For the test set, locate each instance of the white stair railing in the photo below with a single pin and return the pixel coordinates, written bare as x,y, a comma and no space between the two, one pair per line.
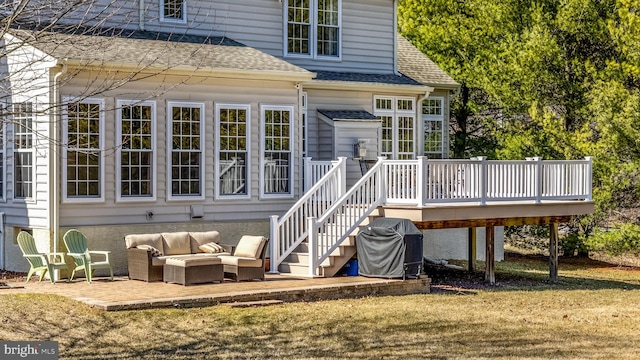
288,231
327,232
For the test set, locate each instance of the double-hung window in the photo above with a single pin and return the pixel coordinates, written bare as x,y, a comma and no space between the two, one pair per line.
433,123
136,156
3,172
397,137
83,129
173,10
277,151
313,28
186,150
23,151
232,150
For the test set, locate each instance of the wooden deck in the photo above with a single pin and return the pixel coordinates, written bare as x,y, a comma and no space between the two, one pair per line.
490,215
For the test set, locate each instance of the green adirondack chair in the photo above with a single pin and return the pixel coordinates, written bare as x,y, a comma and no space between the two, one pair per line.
76,244
39,262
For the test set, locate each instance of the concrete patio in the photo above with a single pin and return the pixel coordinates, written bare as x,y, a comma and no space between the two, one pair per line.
125,294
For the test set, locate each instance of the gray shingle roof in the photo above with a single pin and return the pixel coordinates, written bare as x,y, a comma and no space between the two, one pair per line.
144,49
367,78
413,63
348,114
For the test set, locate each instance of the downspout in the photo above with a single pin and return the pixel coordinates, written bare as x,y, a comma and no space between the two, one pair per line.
395,37
141,15
53,174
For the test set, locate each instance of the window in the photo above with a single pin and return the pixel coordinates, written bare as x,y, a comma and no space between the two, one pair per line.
173,10
136,150
313,28
433,120
23,151
3,181
277,150
232,151
82,134
397,137
186,150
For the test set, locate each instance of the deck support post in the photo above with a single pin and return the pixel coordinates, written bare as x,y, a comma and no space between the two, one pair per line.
553,252
490,265
472,248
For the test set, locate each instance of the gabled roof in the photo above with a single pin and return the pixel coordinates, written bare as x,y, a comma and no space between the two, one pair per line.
155,50
414,64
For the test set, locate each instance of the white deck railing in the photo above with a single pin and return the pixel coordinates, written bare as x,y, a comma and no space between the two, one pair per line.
327,220
327,232
288,231
422,181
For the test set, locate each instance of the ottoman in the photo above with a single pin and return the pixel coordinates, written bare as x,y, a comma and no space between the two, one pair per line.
197,270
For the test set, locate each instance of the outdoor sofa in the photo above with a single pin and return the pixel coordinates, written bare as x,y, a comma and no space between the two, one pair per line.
148,253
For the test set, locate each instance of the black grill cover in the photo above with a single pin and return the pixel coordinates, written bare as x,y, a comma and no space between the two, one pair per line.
389,248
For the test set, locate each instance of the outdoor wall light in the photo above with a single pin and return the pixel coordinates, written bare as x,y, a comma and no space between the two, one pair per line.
360,149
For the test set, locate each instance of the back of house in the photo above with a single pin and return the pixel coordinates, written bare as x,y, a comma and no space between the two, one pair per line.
147,116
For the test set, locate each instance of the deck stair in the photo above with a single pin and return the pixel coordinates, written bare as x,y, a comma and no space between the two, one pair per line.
297,263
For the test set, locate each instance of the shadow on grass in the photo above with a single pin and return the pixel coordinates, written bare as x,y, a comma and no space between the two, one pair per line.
531,272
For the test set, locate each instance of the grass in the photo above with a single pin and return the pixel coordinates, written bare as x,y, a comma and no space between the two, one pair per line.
592,313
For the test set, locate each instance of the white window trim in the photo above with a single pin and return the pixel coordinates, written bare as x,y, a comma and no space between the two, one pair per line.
305,124
172,20
313,29
170,105
3,148
119,197
65,122
426,117
395,113
289,108
216,183
32,150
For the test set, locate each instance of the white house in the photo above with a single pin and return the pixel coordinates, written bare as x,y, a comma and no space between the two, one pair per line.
163,115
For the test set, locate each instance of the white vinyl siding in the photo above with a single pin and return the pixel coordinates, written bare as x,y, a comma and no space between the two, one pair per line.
232,151
276,175
433,126
186,150
23,151
313,28
82,131
173,11
136,155
397,138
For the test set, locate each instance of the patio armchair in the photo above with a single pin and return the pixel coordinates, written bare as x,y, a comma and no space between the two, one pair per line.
39,262
248,259
76,243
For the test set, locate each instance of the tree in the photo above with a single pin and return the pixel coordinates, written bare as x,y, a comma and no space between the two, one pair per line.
560,80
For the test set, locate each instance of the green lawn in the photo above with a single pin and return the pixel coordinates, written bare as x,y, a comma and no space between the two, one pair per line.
592,313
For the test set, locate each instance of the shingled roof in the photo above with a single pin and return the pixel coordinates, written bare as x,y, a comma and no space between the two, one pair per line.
144,49
359,115
416,65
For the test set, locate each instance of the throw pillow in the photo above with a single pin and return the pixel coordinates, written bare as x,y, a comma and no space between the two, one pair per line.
212,248
154,251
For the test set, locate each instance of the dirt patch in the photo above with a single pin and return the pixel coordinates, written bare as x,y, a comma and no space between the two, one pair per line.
447,280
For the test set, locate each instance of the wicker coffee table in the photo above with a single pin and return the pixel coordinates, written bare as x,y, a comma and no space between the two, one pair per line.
188,271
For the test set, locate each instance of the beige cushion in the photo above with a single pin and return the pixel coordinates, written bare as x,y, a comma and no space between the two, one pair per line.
193,261
201,238
154,240
154,251
241,261
177,243
250,246
160,260
212,248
